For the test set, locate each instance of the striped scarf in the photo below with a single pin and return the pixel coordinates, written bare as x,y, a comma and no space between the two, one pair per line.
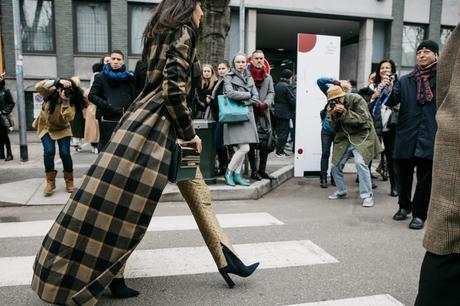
422,76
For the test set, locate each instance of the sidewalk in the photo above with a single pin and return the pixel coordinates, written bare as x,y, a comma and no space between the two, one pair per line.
28,190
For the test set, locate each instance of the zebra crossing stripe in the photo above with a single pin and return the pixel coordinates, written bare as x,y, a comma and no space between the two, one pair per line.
15,271
158,224
374,300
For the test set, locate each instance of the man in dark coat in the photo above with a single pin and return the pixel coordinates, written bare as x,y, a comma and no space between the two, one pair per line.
112,92
284,109
415,133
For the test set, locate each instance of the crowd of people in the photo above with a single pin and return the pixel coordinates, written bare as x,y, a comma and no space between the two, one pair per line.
132,121
391,118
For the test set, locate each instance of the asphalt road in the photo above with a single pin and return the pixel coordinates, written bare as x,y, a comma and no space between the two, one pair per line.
375,255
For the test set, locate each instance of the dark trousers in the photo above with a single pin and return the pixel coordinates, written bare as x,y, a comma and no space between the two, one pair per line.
419,204
326,142
388,138
49,151
106,129
4,142
439,283
282,131
263,157
221,150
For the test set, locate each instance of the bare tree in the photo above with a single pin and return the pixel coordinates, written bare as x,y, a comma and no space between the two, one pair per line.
214,31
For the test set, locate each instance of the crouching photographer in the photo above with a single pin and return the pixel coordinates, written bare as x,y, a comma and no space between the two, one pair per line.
349,117
60,100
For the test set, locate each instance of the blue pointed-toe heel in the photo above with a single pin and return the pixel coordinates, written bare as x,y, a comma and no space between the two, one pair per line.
235,266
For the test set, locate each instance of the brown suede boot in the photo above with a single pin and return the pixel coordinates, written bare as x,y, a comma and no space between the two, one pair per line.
50,183
68,177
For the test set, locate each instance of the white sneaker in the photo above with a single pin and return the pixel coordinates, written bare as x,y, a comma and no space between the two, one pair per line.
368,202
338,195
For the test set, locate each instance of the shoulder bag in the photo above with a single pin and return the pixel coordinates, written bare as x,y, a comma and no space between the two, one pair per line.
231,111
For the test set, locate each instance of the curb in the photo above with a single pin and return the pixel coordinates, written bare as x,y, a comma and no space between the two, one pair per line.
171,194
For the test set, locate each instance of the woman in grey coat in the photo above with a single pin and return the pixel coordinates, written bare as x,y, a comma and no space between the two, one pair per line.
239,86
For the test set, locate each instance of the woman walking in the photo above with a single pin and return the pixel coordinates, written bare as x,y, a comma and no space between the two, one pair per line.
106,218
61,98
6,107
240,87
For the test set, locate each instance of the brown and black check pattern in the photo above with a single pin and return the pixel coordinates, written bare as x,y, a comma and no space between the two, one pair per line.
106,218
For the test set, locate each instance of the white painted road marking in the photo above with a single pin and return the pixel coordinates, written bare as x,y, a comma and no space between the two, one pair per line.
15,271
374,300
158,224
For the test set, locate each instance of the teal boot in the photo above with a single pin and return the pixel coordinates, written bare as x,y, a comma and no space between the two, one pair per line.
239,180
229,178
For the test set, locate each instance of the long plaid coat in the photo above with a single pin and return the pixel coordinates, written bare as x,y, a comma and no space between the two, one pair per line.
106,218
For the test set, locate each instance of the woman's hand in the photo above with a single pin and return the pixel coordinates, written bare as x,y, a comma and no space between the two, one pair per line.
65,83
208,99
196,141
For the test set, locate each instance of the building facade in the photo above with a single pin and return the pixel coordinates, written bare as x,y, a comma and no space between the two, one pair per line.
66,37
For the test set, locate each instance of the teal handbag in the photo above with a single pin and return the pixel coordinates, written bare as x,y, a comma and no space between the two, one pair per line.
231,111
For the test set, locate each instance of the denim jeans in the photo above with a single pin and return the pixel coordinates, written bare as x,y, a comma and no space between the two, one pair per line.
365,185
49,150
326,143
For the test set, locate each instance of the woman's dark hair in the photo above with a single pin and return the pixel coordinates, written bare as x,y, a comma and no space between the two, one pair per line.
101,61
225,62
167,16
77,100
378,78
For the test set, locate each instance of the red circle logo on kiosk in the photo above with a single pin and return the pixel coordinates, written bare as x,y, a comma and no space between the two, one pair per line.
306,42
300,151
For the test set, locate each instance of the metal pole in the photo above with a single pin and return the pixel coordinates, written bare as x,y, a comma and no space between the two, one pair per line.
19,83
242,26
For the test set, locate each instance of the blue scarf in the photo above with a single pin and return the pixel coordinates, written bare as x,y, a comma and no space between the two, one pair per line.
119,74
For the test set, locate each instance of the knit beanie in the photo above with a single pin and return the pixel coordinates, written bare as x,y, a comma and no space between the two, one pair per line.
430,45
286,74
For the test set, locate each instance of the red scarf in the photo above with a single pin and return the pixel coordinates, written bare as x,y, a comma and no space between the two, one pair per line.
422,76
258,74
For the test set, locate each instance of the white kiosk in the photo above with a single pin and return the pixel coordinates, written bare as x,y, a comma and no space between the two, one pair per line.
317,56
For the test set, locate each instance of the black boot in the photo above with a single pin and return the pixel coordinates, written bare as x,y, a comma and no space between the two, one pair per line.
9,154
323,180
120,290
235,266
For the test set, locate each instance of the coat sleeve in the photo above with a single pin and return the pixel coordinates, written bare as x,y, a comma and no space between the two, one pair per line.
45,87
96,94
290,97
270,94
176,74
232,93
356,116
9,102
395,96
254,94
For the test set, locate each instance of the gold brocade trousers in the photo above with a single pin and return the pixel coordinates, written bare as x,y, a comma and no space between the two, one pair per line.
198,197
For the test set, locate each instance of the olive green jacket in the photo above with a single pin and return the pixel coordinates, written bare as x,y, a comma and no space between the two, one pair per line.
355,127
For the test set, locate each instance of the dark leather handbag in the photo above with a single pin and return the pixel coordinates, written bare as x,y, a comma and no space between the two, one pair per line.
7,121
184,163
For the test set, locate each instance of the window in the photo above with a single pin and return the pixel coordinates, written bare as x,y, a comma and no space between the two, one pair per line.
139,15
91,23
413,35
445,33
37,25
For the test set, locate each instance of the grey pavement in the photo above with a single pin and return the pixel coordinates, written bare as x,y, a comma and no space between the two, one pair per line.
375,254
22,183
